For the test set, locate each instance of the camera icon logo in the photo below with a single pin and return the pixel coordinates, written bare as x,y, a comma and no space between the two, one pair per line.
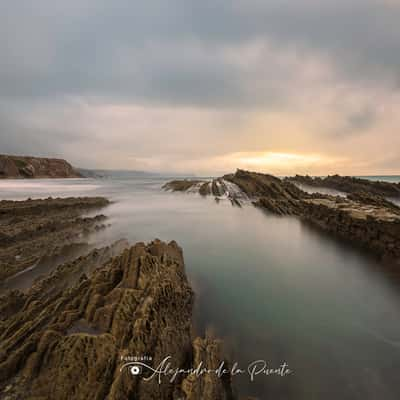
135,370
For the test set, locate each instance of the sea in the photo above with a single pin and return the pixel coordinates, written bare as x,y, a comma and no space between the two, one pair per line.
276,290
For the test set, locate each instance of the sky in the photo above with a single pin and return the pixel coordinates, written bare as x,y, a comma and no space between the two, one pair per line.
203,87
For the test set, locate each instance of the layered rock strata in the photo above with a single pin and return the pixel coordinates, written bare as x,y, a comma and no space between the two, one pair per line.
364,218
33,231
373,227
350,184
220,188
70,336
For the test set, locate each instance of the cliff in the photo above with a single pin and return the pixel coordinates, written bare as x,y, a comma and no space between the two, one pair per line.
35,167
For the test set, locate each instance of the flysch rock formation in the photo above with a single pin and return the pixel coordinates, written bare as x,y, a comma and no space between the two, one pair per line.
35,167
34,231
364,218
220,188
69,336
349,184
374,228
72,333
244,186
278,197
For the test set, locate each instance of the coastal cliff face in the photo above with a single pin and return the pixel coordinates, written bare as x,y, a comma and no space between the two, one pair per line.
35,167
364,218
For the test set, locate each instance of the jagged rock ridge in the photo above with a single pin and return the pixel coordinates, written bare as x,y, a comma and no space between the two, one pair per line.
221,188
364,218
350,184
67,341
67,334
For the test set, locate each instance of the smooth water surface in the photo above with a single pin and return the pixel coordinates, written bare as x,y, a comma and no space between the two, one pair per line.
272,287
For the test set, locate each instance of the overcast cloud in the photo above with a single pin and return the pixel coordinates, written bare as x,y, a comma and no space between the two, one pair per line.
203,86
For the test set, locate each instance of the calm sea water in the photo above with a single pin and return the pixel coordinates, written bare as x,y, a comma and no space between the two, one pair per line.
273,288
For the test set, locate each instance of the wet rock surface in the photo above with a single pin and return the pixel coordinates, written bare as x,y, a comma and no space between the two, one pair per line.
36,231
220,188
35,167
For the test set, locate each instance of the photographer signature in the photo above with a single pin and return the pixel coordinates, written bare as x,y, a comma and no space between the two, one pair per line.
165,369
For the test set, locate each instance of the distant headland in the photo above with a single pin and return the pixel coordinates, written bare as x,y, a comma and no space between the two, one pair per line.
19,167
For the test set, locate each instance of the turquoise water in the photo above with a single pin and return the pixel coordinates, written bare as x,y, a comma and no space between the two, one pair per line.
272,287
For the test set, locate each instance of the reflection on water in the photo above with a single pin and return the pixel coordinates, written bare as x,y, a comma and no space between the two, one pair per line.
273,288
24,279
36,188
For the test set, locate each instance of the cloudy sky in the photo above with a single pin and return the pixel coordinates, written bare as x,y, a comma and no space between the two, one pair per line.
282,86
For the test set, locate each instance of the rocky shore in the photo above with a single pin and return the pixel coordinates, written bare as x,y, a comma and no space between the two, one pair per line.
34,231
74,332
35,167
350,184
375,228
71,341
364,218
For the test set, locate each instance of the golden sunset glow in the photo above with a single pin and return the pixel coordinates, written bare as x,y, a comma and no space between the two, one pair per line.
276,160
280,98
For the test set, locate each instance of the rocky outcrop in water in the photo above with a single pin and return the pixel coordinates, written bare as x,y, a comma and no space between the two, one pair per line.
269,192
220,188
350,184
74,331
374,200
182,185
35,167
35,231
364,218
72,337
277,196
255,184
372,227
